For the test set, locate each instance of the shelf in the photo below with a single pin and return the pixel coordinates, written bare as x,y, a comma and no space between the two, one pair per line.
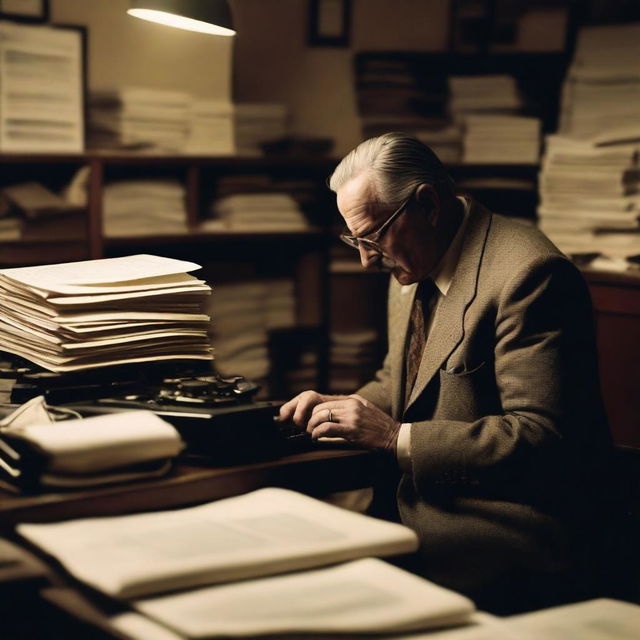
222,236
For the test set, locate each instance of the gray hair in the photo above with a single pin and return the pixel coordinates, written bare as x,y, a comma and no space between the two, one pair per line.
398,164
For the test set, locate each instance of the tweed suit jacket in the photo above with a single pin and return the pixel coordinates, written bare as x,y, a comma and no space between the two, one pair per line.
507,421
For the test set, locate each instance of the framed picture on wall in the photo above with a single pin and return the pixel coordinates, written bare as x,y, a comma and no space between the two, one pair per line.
25,10
42,88
329,23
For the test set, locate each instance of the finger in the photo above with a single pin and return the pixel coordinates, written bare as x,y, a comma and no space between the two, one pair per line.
307,400
330,405
287,409
330,430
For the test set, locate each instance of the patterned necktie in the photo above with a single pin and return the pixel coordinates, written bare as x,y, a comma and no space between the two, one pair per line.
417,334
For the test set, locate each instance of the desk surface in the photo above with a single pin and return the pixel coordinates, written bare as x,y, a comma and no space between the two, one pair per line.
313,472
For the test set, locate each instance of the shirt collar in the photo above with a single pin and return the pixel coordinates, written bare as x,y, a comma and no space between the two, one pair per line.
443,272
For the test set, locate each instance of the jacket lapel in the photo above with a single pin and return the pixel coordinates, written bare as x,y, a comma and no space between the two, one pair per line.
447,330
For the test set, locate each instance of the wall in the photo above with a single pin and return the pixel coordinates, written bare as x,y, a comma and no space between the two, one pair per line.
128,51
271,58
275,63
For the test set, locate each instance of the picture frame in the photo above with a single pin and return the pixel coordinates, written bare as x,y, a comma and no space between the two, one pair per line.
329,23
52,55
25,10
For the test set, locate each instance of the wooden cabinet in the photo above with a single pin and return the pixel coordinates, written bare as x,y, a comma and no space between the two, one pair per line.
616,302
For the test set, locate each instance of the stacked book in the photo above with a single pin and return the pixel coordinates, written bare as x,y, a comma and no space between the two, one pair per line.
396,94
602,89
501,139
139,117
482,94
486,108
243,314
258,123
211,128
81,315
353,358
260,212
271,563
141,207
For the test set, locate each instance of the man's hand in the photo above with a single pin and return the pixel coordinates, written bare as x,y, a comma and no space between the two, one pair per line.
356,420
300,408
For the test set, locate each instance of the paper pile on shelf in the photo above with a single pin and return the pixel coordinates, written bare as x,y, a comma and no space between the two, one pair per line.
590,196
602,88
81,315
257,123
211,128
41,93
353,359
590,178
501,139
260,212
139,118
243,314
482,94
144,207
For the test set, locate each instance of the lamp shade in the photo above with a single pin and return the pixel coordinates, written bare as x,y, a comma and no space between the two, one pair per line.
210,16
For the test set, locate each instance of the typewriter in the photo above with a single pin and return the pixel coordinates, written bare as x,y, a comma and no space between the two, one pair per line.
218,417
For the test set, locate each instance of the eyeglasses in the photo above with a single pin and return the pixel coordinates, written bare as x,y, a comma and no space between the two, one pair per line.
372,240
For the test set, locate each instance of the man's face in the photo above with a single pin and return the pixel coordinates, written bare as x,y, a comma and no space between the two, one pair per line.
407,248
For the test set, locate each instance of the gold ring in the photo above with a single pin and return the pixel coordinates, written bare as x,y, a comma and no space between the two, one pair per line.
329,416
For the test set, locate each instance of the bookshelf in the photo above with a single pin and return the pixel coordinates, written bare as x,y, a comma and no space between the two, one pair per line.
227,256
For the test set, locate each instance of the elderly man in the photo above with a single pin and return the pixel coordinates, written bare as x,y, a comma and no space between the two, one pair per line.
488,398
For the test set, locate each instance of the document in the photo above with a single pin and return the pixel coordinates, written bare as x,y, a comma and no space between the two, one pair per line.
261,533
94,313
599,619
362,596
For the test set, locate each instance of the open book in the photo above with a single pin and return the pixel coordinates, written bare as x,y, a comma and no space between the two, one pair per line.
362,596
261,533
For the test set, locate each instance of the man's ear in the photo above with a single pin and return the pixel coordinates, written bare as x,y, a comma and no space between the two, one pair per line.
429,200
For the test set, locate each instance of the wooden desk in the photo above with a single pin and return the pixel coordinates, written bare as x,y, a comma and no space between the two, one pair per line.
314,472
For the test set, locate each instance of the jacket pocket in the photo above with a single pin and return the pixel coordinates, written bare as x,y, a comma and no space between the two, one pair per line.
467,394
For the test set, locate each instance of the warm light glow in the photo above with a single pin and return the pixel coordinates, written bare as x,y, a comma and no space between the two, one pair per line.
172,20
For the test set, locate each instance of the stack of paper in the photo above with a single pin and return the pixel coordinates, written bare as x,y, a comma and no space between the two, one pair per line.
81,315
501,139
602,88
149,118
260,212
590,178
264,533
256,123
482,94
211,129
353,358
143,207
243,314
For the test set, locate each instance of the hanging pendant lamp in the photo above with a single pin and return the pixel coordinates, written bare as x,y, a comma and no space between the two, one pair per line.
204,16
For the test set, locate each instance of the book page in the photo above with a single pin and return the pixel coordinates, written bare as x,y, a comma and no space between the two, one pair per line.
260,533
600,619
363,596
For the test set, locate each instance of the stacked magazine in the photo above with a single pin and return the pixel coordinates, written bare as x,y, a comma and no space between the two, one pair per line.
234,568
81,315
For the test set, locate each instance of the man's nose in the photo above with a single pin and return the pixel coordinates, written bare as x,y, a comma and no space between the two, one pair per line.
368,256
